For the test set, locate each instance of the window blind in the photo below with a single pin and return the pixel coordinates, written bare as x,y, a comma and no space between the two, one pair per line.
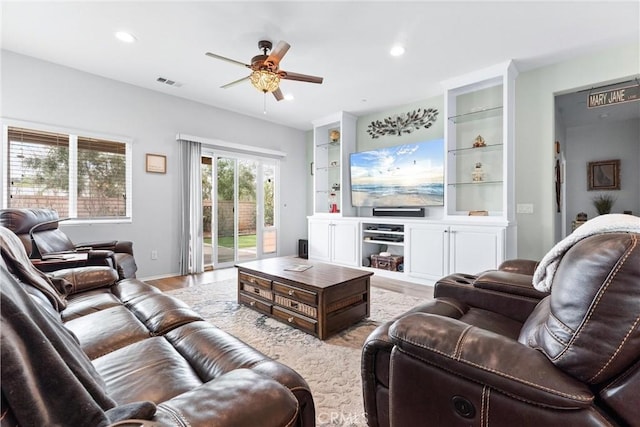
38,170
78,176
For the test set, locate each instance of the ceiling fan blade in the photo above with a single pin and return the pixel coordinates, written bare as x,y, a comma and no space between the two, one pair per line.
233,61
235,82
276,54
278,94
287,75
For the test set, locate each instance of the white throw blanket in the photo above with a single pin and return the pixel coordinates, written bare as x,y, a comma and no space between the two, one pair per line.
611,223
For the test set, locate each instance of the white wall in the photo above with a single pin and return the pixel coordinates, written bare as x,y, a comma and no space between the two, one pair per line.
535,92
603,141
46,93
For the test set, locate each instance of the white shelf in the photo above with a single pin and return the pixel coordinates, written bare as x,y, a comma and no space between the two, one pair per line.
480,104
331,164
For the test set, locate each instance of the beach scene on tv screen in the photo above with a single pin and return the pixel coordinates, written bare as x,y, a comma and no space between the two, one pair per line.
410,175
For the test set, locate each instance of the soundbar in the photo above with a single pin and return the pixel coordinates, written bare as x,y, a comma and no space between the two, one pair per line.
398,212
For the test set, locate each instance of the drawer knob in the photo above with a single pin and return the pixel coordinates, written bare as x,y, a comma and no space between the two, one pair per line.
291,292
252,280
290,319
252,303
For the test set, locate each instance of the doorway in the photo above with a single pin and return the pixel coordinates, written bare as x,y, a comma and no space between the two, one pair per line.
585,135
239,208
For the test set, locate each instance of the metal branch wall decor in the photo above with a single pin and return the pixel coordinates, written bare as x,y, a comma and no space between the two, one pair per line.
403,123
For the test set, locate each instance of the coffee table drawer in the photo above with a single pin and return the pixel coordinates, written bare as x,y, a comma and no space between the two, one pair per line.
255,280
297,294
255,303
304,323
255,290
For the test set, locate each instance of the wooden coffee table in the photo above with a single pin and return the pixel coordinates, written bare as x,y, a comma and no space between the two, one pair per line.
321,300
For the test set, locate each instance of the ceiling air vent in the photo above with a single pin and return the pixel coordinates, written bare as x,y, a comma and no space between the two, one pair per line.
168,82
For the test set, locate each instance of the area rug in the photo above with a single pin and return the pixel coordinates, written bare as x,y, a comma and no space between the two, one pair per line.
330,367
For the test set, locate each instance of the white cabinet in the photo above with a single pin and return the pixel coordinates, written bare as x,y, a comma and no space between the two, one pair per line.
473,249
427,254
334,241
334,139
479,135
436,250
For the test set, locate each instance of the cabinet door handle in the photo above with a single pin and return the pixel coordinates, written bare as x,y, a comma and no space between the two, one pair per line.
291,292
290,319
252,303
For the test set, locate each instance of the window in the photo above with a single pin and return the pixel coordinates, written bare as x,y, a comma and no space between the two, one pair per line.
79,176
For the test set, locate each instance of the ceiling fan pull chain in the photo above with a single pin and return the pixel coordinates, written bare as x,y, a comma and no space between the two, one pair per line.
264,108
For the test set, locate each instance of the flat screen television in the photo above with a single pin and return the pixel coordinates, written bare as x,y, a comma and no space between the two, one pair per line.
410,175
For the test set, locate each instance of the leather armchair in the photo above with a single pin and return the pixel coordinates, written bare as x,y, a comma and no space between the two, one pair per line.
470,359
38,230
506,289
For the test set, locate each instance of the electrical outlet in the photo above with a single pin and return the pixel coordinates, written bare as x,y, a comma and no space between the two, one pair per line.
154,254
524,208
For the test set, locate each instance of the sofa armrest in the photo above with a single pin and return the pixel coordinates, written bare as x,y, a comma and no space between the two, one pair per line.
74,280
238,398
509,294
102,244
488,358
519,265
508,282
112,245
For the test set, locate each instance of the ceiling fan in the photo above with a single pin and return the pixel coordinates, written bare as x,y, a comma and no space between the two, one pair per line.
266,73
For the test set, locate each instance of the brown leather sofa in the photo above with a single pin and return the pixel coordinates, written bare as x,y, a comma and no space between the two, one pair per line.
82,348
38,230
491,350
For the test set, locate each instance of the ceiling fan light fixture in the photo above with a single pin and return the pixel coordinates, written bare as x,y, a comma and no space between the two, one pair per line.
125,37
265,81
397,50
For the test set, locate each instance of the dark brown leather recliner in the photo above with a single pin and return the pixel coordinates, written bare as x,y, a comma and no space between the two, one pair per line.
38,230
507,290
572,360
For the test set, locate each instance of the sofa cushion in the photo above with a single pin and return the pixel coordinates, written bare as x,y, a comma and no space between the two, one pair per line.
161,313
211,351
224,402
150,369
88,302
107,330
129,289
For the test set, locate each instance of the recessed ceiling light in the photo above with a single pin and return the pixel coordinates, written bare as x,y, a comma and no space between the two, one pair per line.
123,36
289,97
397,50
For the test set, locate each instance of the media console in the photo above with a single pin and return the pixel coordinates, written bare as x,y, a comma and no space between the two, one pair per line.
419,250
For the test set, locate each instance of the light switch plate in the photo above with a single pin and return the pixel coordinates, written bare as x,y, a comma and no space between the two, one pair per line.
524,208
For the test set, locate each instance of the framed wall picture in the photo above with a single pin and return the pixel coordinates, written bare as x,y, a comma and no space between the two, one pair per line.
603,175
156,163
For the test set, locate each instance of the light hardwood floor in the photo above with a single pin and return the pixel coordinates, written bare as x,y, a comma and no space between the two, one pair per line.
177,282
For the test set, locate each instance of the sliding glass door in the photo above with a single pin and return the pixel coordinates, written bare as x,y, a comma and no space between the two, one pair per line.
239,215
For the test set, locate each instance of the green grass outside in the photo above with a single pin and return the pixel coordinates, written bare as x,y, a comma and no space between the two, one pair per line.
247,241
